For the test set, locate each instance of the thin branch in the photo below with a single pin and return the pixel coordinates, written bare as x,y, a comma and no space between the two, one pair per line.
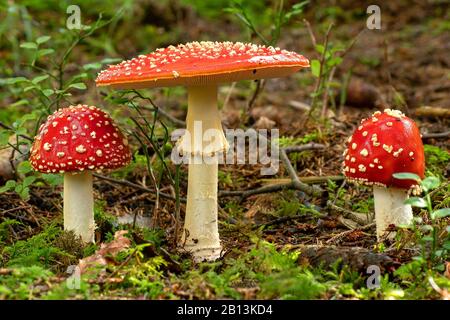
5,126
436,135
294,184
295,180
347,232
326,93
307,179
305,147
243,194
227,98
286,219
352,43
136,186
160,110
259,87
167,115
322,67
311,33
356,217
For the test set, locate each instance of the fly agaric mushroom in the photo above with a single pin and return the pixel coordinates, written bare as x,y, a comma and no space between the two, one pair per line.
385,144
75,141
201,66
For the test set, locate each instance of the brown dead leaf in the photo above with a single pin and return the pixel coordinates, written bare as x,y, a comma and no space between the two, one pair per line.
355,235
264,123
252,211
248,293
447,269
106,251
269,111
330,224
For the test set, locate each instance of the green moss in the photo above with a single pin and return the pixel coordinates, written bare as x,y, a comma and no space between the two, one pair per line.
436,160
38,250
23,283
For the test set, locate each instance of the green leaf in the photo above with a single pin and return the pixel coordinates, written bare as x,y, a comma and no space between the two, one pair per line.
416,202
430,183
29,45
406,176
441,213
53,179
42,39
4,137
28,181
48,92
295,10
427,239
320,48
315,67
19,103
44,52
39,79
26,117
79,76
30,88
90,66
24,193
110,60
24,167
9,185
79,85
334,61
21,131
15,80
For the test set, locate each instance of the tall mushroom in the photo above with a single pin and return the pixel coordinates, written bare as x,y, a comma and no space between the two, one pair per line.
385,144
75,141
201,67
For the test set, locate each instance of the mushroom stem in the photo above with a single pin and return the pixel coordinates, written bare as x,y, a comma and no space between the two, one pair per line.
79,205
390,209
203,140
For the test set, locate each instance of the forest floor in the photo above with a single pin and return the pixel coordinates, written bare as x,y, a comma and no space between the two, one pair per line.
284,244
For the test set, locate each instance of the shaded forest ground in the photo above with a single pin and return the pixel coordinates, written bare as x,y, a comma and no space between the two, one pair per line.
283,244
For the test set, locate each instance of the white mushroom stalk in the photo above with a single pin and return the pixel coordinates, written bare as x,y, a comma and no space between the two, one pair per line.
390,209
203,140
79,205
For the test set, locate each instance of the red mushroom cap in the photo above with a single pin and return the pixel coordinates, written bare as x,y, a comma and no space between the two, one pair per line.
79,138
202,63
384,144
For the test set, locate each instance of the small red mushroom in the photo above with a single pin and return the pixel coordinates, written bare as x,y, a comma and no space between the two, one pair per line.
75,141
386,143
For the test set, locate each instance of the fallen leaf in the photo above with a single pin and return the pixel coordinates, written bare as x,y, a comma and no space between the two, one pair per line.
264,123
355,235
106,251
